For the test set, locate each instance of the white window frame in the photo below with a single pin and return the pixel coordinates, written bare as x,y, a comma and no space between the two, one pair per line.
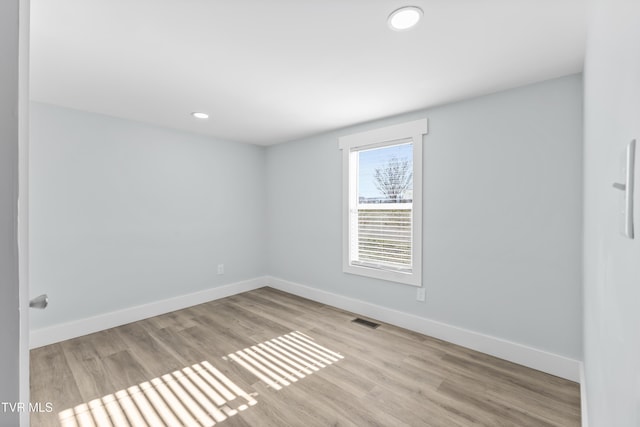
381,137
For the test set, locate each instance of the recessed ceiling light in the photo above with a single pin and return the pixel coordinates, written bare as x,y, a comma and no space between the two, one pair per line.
200,115
404,18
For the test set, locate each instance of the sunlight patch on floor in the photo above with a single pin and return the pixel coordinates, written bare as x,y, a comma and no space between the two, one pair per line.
198,395
285,359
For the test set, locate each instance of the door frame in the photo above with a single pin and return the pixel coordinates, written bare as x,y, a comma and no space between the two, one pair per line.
23,204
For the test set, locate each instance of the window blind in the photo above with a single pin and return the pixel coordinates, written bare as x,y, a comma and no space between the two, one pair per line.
384,236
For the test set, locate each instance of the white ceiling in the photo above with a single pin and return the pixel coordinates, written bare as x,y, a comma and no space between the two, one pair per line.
277,70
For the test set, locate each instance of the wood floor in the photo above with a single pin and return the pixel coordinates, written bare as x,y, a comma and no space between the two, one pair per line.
274,359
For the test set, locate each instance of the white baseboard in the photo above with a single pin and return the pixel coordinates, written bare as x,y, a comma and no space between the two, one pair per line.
534,358
583,397
541,360
89,325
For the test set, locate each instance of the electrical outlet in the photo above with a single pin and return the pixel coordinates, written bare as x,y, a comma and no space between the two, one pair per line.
421,294
220,268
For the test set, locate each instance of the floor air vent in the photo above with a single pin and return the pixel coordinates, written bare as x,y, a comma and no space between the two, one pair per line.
366,323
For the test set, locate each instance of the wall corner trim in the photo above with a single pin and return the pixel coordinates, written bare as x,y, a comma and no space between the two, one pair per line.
583,397
77,328
541,360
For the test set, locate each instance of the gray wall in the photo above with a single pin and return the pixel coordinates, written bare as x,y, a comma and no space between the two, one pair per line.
124,214
502,216
9,290
611,262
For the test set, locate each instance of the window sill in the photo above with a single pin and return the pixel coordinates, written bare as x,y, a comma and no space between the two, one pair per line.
392,276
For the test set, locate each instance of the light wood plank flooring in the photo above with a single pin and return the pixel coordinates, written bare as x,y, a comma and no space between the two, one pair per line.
306,364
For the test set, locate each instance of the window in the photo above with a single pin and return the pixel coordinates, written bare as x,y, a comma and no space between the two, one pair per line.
382,193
